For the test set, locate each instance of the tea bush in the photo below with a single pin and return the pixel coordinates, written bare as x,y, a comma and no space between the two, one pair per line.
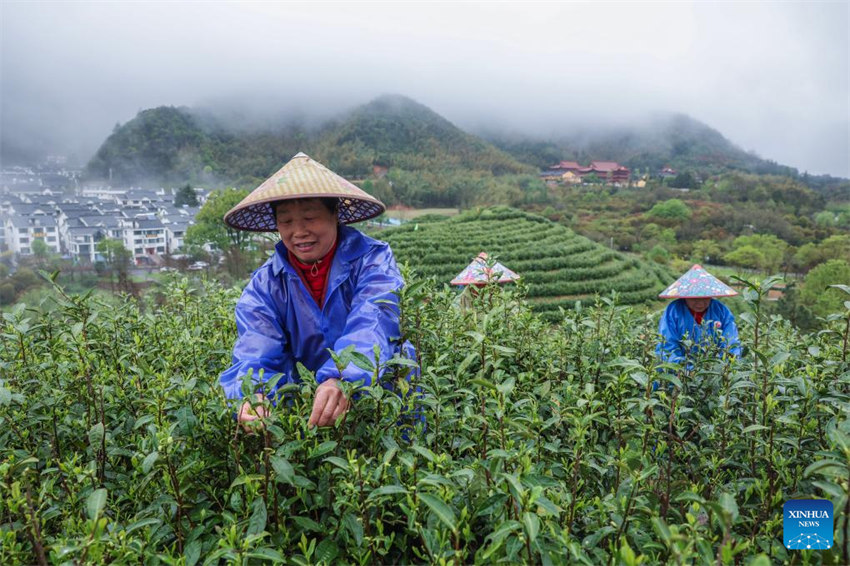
558,265
543,444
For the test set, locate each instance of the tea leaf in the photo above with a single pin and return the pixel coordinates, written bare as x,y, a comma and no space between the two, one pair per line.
142,524
353,525
283,469
440,509
149,461
338,462
95,503
728,504
266,553
327,551
426,453
257,521
96,436
531,522
830,468
503,531
192,552
387,490
323,448
307,524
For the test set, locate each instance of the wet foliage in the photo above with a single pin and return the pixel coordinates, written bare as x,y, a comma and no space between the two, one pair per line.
543,443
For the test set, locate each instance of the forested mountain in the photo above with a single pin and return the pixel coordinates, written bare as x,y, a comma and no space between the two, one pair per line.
394,131
403,152
170,144
174,145
674,140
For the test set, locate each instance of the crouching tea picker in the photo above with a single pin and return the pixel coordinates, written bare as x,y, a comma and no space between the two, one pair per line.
696,317
326,286
480,272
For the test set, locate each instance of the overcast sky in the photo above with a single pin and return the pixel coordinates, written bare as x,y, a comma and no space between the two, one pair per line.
771,76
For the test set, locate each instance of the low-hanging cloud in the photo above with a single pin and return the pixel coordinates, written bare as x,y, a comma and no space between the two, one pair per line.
772,77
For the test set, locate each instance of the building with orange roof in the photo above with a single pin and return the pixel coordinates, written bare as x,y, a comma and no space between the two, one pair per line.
609,172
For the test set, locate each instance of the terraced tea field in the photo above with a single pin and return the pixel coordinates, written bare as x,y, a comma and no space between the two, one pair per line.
558,265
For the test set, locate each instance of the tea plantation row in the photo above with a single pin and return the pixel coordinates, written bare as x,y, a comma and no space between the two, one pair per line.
558,265
543,444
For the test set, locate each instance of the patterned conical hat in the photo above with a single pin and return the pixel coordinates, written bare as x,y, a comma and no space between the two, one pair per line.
301,177
697,283
477,273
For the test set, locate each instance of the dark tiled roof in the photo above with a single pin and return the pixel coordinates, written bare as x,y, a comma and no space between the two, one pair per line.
100,220
18,221
83,230
148,224
27,209
31,221
178,226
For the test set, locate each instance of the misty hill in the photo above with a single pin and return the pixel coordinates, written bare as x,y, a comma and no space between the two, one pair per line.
169,145
174,145
403,152
395,131
665,139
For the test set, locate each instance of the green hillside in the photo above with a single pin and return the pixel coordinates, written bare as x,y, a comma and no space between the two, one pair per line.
558,265
429,162
173,145
422,159
395,131
150,145
666,139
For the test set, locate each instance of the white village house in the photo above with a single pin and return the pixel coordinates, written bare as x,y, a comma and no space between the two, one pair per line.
144,220
22,231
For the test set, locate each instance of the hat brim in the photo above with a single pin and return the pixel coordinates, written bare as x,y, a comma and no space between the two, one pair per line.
734,293
697,283
301,178
259,216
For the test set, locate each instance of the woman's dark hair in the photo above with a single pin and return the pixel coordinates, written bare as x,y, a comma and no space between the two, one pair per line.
331,203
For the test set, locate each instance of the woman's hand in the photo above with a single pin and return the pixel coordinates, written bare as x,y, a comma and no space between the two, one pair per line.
248,414
328,404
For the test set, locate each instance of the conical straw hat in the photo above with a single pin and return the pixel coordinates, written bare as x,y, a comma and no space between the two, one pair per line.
697,283
477,273
301,177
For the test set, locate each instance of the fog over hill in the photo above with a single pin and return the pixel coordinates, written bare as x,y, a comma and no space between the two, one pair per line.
772,77
171,145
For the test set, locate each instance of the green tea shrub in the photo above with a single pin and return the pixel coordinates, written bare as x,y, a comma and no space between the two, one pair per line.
543,443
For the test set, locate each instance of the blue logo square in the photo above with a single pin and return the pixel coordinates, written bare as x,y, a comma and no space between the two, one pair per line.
807,524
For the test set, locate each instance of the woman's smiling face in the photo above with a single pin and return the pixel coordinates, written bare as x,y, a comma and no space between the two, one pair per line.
306,227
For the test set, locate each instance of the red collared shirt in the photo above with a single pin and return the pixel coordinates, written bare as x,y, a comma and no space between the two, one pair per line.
314,275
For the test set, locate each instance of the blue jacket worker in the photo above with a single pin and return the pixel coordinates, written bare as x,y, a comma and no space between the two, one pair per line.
327,286
696,316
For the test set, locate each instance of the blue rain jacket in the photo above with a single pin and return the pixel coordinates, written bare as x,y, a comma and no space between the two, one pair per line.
280,324
677,324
